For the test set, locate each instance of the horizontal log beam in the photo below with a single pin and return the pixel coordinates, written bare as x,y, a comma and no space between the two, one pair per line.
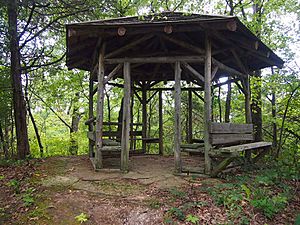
161,59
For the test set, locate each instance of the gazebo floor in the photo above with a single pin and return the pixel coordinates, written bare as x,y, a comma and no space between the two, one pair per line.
156,165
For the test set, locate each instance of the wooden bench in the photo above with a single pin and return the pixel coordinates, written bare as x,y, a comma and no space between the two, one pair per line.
113,133
228,141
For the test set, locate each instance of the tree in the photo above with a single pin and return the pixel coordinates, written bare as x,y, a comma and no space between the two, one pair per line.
15,68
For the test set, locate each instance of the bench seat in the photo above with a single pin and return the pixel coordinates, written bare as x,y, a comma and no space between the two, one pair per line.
244,147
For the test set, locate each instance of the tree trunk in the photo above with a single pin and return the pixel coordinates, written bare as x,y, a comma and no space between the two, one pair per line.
280,143
3,142
228,104
256,107
6,139
120,118
73,148
274,120
256,88
36,130
274,115
18,98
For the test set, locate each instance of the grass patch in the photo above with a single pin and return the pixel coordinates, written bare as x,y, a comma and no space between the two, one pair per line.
266,192
154,203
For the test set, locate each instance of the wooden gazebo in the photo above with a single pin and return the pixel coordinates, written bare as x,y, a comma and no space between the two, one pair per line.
169,46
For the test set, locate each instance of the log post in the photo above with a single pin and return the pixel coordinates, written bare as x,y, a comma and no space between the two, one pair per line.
207,102
190,115
144,117
91,115
131,117
100,104
126,119
177,136
161,132
248,116
247,101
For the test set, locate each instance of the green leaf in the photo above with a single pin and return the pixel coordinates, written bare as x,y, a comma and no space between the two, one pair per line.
82,217
191,218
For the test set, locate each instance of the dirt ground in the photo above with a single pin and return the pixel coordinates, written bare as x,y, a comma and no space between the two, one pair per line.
59,189
72,187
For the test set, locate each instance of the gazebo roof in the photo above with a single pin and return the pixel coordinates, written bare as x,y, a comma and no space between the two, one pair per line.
233,44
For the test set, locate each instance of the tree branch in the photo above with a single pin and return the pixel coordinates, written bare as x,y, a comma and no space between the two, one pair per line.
55,113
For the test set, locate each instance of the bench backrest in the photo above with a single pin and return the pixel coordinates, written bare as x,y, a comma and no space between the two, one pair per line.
230,133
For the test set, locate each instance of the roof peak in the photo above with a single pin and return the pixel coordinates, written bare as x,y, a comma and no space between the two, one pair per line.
165,16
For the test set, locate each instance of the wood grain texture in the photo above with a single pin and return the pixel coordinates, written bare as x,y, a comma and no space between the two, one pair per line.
100,104
207,103
250,146
125,142
177,134
230,128
219,139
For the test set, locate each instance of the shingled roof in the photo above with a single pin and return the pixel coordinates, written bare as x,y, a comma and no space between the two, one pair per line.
227,32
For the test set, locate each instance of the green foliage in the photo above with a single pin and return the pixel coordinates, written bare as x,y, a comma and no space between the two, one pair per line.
177,213
192,219
28,198
2,177
154,204
266,192
247,191
82,217
297,220
269,205
177,193
15,184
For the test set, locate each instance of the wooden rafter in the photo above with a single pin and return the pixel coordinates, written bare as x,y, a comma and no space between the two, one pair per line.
239,61
197,94
113,73
129,46
193,71
201,51
214,72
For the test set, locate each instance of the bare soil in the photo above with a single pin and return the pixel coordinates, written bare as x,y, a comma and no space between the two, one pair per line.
65,187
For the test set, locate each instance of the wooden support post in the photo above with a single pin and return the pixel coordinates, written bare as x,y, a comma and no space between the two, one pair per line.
247,101
126,119
161,131
207,102
190,115
247,110
144,117
91,115
221,166
100,104
131,118
177,136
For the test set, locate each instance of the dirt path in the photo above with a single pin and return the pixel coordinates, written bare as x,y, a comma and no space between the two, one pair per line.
67,191
71,187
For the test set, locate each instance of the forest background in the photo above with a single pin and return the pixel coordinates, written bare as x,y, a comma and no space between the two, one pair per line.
38,92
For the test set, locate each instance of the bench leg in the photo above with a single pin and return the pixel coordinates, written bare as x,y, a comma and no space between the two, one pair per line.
221,166
261,154
248,156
